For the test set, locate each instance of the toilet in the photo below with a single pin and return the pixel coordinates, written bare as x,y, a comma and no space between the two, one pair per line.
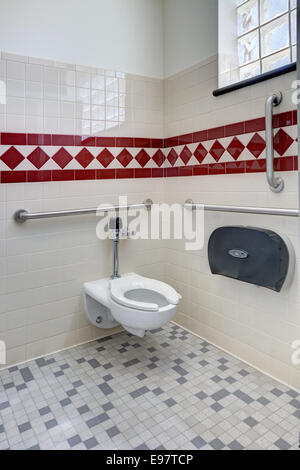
135,302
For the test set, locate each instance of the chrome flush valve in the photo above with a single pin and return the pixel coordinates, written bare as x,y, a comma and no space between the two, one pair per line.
115,227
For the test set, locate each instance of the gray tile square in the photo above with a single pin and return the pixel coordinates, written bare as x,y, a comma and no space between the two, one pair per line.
170,402
83,409
44,411
90,443
51,424
198,442
105,388
112,432
235,445
251,422
282,444
74,441
217,444
25,427
97,420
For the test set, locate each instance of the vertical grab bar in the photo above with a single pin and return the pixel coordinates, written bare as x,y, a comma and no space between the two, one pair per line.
276,183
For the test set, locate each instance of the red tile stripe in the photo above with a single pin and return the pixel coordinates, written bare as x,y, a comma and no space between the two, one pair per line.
250,166
175,156
11,138
288,118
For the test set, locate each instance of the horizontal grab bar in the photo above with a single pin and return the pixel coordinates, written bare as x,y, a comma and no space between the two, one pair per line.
22,215
189,204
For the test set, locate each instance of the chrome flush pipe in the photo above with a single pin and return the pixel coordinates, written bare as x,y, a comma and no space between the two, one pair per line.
115,226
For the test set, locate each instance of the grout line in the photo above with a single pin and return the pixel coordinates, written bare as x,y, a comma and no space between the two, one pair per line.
61,350
239,358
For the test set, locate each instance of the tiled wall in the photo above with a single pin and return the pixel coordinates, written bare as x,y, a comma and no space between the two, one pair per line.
43,264
62,122
255,324
234,148
190,106
57,98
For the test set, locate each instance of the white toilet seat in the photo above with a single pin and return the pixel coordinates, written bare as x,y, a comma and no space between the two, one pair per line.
133,282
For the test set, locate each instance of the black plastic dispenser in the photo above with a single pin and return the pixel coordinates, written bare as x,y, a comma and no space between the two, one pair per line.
253,255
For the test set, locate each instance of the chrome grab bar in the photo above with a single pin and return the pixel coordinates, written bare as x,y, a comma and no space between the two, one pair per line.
22,215
189,204
276,183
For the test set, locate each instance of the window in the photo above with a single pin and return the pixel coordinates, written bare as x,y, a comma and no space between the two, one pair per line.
255,37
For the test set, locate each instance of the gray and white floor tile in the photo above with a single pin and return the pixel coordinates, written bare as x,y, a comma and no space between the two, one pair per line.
170,390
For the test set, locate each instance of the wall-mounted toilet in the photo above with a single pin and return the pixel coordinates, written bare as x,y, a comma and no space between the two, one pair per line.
135,302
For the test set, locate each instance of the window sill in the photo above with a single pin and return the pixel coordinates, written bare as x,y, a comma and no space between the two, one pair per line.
253,81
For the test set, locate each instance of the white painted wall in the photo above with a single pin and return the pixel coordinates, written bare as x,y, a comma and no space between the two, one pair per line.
124,35
190,33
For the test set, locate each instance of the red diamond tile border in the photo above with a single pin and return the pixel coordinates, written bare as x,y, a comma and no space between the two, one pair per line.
217,150
172,157
282,142
186,155
256,145
84,158
38,158
155,158
12,158
105,158
62,158
142,158
200,153
159,158
235,148
125,158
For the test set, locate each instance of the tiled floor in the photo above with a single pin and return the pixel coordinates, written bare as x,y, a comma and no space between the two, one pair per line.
170,390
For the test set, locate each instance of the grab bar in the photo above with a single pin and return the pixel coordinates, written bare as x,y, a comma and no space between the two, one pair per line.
22,215
189,204
276,183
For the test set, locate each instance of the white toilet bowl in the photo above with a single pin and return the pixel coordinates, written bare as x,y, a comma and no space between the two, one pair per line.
135,302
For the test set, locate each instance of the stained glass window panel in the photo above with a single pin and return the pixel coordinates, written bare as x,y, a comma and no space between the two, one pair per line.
277,60
272,8
248,48
249,71
275,35
247,17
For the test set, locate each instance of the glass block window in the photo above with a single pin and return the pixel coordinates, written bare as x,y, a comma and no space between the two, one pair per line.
255,37
266,33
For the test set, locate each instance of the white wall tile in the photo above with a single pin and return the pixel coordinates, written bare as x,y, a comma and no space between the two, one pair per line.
33,90
120,94
47,264
15,70
34,107
15,87
34,73
15,106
